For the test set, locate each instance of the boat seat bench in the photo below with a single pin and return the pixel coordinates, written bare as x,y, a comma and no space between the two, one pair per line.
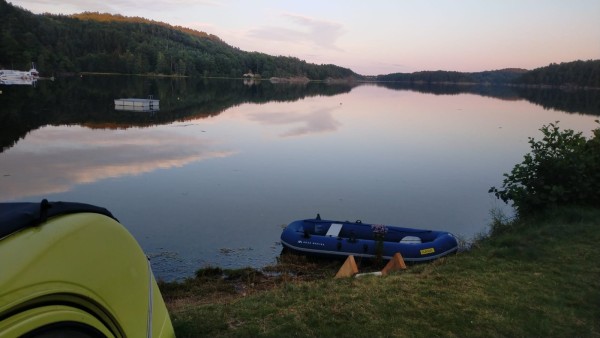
334,230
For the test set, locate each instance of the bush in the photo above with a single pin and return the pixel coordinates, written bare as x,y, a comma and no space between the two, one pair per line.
562,169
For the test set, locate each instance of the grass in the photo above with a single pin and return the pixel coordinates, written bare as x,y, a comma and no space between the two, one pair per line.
535,277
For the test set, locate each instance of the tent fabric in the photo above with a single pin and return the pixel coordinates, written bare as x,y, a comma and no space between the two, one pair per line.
16,216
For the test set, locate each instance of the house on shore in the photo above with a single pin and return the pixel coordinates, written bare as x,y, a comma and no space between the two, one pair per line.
251,75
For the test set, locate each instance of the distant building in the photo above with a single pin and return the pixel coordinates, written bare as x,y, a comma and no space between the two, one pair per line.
251,75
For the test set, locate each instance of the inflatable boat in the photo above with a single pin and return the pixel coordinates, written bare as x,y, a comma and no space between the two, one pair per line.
328,238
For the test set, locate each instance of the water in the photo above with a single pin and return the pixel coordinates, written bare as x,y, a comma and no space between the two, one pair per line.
212,177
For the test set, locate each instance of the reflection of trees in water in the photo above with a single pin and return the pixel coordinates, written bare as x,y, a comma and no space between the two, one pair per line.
571,101
499,92
89,101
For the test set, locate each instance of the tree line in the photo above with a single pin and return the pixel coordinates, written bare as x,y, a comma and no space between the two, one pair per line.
568,74
493,77
95,42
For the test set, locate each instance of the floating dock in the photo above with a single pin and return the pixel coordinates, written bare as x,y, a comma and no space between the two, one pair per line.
132,104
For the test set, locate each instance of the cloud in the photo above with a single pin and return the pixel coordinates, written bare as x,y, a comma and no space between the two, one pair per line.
311,31
318,121
55,159
323,33
110,6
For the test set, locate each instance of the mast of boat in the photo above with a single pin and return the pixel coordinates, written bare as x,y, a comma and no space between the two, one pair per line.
33,72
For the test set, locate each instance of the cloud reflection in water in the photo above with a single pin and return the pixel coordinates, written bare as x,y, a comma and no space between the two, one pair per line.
55,159
315,121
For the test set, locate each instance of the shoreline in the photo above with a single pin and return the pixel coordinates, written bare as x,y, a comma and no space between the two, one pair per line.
365,79
523,279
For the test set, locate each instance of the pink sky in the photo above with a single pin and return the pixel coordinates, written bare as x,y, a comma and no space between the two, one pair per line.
381,36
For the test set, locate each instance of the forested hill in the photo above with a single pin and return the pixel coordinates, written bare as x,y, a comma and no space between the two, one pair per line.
93,42
580,74
105,43
502,76
568,74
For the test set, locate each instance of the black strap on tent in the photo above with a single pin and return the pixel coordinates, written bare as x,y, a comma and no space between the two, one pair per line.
21,215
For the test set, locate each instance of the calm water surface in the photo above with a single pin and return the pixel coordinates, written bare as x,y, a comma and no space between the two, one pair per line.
211,181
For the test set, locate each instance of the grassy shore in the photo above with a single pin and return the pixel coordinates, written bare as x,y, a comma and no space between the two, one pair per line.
537,277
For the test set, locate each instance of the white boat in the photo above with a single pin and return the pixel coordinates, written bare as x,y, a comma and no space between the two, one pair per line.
7,76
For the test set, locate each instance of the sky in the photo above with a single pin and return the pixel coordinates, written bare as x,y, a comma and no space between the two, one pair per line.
380,36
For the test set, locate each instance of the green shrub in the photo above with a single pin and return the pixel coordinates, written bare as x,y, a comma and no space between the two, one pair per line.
561,169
